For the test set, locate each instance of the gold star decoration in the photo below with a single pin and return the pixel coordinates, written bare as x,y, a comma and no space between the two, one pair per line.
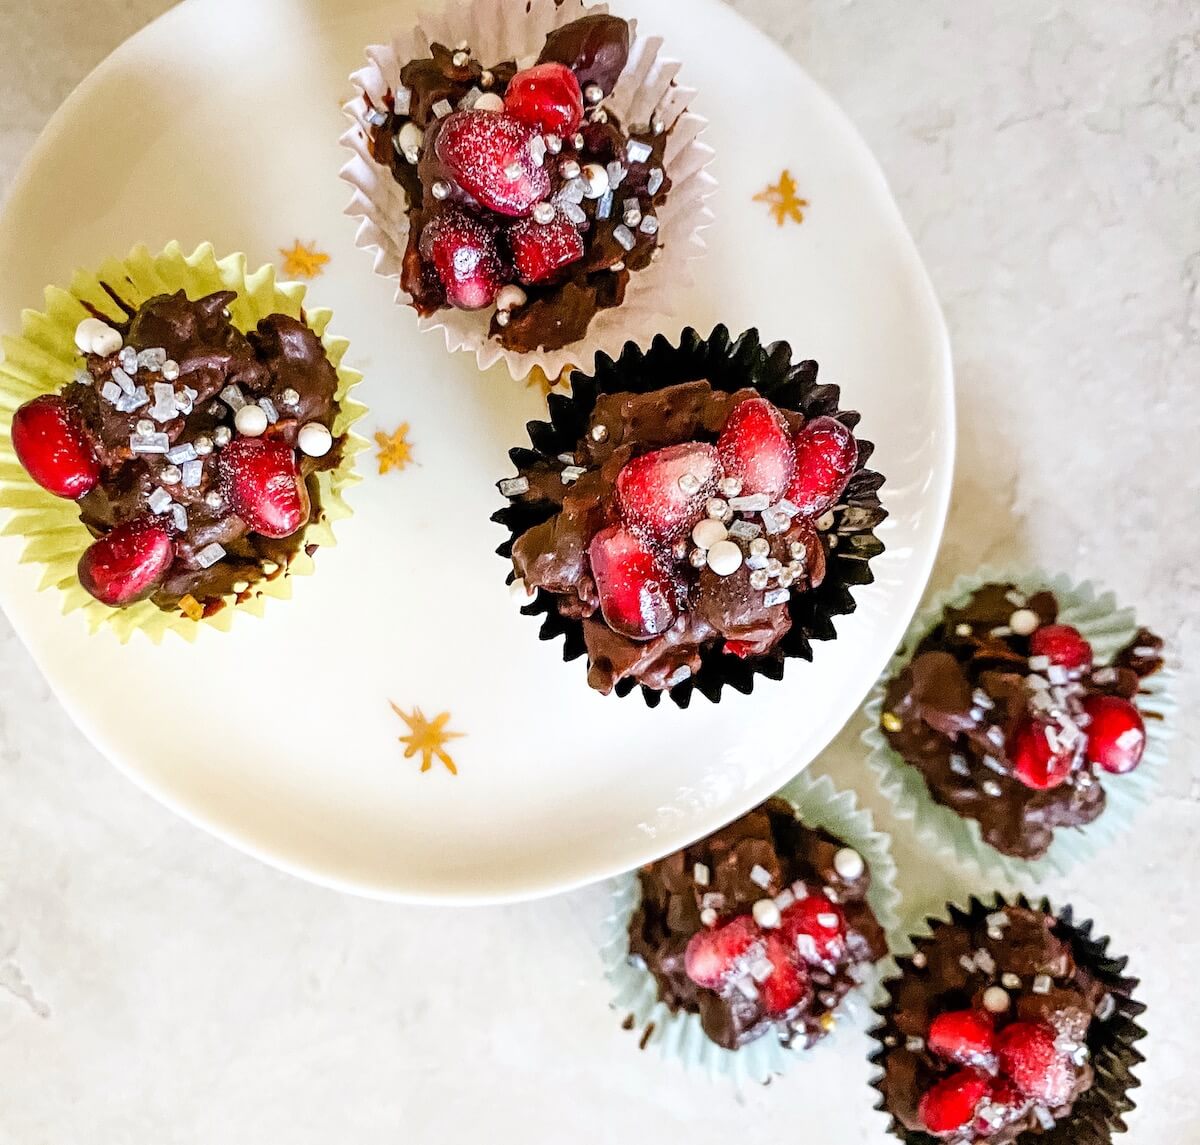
781,197
395,451
538,378
427,738
303,260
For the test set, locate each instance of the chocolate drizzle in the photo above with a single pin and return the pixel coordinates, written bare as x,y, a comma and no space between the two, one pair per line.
773,840
725,368
938,727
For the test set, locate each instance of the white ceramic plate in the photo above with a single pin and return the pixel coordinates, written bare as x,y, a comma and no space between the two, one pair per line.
220,122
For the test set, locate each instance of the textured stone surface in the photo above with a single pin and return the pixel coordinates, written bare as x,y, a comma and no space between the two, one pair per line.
157,986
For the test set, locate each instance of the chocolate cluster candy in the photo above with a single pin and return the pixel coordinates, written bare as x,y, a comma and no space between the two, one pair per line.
1001,1024
190,447
762,927
685,520
524,191
1012,722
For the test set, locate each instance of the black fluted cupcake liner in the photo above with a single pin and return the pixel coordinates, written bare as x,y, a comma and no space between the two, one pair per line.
728,365
1098,1114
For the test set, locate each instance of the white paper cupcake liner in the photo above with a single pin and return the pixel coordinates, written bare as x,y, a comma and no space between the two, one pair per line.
503,29
679,1035
1108,629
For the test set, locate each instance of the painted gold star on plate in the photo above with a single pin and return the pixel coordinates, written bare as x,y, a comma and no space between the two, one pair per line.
539,379
395,450
303,260
781,197
427,738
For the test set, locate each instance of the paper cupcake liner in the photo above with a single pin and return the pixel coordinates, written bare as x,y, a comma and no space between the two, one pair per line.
678,1034
1108,629
501,30
728,365
1098,1114
44,358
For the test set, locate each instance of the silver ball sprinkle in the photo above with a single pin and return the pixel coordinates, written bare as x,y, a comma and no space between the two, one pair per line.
222,435
569,169
170,475
487,79
716,508
544,213
593,93
600,434
759,579
203,446
461,59
699,558
214,500
289,397
145,426
440,190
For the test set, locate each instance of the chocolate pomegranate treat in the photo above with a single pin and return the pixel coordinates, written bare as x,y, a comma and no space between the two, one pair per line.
190,447
763,927
1013,722
1008,1023
693,516
524,191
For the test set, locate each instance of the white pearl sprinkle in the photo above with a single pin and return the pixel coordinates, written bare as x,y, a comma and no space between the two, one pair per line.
314,439
1024,622
996,1000
725,558
95,337
410,140
511,298
596,181
766,914
489,101
708,533
849,864
250,421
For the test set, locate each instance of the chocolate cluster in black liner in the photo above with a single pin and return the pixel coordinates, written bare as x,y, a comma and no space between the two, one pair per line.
844,540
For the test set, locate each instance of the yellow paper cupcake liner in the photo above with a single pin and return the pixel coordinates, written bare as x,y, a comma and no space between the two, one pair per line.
44,359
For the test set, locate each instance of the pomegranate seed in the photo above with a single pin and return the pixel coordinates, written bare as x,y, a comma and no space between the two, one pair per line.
713,955
637,593
952,1102
463,252
546,97
489,155
541,251
1033,761
127,564
788,985
50,443
263,486
826,457
816,927
1029,1058
663,493
1116,734
1008,1105
756,446
964,1037
1064,645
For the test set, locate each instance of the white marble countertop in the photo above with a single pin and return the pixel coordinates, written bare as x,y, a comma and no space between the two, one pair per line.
156,986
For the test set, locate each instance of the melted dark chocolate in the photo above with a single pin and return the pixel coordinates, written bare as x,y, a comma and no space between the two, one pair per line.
933,700
281,354
772,838
558,313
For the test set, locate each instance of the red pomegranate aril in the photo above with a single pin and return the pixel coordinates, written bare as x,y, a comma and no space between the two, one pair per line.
263,485
713,955
50,443
756,446
637,592
1029,1058
965,1037
787,986
816,928
1062,645
1005,1105
546,97
1116,733
826,457
126,564
463,252
1034,762
542,251
490,156
952,1102
663,493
